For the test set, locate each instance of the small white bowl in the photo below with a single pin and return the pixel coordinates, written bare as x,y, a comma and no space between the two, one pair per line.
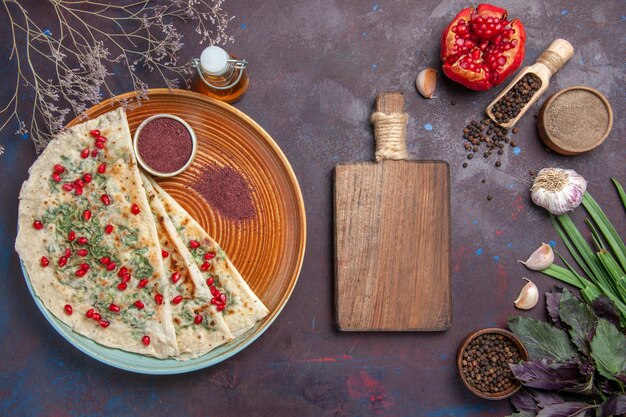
146,167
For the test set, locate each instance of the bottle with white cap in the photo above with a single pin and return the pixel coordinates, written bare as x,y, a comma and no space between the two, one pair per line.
220,75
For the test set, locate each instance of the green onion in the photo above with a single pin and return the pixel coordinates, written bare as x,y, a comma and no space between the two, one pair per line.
620,191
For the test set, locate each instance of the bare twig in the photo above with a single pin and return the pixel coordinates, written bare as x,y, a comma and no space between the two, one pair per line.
70,68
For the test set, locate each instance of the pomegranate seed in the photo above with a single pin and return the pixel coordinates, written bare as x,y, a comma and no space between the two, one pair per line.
145,340
122,286
209,255
194,244
85,153
79,191
134,208
79,183
108,229
105,260
143,282
44,261
87,178
205,266
104,323
56,177
123,270
102,168
82,240
71,236
105,199
159,299
96,316
94,132
99,145
175,277
214,291
114,308
198,319
86,215
82,252
215,301
38,225
68,309
125,278
111,266
164,253
80,273
84,266
89,313
62,261
139,304
94,153
210,281
221,307
68,252
68,186
101,138
177,299
58,169
222,298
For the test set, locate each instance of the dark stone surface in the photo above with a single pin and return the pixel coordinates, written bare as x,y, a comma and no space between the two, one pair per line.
315,70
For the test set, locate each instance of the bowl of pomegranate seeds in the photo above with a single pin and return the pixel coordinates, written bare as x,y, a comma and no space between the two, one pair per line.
164,145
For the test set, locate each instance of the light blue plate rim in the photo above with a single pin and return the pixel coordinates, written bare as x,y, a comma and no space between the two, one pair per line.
134,362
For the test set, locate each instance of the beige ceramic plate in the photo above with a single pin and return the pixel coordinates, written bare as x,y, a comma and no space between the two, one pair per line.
267,249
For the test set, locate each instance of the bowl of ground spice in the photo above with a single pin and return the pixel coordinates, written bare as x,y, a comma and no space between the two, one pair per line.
575,120
483,361
164,145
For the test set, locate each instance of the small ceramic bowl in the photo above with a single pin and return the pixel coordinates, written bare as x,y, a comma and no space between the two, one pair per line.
568,145
145,166
459,358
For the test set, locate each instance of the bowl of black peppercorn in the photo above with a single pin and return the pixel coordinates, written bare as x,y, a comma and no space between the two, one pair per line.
483,361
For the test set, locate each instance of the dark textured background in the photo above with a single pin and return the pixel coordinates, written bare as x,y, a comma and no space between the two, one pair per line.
315,68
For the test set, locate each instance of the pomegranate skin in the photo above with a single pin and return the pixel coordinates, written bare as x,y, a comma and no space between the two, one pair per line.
453,55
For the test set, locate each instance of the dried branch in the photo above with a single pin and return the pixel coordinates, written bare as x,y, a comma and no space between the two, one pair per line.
72,66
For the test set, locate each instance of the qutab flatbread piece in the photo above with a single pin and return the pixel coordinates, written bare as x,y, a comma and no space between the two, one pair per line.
200,328
242,309
89,243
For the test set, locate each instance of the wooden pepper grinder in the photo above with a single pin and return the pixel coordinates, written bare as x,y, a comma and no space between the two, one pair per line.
220,75
549,62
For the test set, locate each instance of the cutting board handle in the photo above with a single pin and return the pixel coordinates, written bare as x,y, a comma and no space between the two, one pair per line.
390,122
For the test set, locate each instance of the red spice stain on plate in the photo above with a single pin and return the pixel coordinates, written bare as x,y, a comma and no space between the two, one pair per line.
499,232
225,189
460,254
364,386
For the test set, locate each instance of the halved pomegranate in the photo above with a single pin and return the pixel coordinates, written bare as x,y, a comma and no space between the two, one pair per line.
480,48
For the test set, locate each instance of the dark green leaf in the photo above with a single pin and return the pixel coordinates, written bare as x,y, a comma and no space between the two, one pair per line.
608,349
542,340
620,191
581,320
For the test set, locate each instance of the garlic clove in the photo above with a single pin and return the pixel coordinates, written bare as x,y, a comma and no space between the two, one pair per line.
528,296
540,259
426,82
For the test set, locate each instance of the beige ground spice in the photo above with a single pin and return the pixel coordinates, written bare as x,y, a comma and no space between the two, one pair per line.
577,118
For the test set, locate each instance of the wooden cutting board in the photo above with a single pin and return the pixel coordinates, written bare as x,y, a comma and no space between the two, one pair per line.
392,238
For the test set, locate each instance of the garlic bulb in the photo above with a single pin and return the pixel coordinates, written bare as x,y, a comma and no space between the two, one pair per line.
540,259
528,296
558,190
426,82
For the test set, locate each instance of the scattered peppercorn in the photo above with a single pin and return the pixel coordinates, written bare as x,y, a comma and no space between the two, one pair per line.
453,103
483,180
485,363
498,163
464,164
515,130
532,172
489,197
510,105
484,134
